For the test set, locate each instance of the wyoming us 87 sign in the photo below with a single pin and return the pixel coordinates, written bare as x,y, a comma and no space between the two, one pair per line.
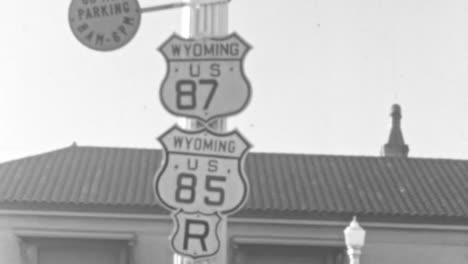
205,77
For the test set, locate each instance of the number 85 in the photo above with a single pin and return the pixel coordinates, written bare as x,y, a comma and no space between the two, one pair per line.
189,185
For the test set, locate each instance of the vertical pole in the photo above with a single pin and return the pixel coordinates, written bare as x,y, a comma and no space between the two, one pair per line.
354,255
207,21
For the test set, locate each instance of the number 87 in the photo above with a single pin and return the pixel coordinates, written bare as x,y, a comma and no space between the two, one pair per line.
186,90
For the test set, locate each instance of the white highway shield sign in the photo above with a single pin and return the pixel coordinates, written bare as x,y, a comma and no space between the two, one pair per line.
205,77
104,25
195,234
202,171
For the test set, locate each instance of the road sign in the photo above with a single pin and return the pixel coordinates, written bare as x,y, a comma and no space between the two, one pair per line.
202,171
196,234
205,77
104,25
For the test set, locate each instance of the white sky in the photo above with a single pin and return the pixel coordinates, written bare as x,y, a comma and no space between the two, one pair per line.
324,74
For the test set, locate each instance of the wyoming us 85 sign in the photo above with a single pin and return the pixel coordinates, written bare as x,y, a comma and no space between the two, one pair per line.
202,171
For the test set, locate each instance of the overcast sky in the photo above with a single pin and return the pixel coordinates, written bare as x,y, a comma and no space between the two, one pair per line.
324,75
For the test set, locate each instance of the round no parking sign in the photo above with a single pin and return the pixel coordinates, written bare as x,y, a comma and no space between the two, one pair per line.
104,25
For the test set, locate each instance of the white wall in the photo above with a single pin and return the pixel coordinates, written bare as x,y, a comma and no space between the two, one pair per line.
383,244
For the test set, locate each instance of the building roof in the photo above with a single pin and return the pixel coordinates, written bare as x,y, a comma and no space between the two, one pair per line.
282,185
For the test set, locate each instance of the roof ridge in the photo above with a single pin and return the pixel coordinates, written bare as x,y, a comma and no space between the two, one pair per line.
115,147
75,146
35,155
356,156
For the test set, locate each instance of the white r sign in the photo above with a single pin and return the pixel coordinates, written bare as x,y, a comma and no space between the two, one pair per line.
196,234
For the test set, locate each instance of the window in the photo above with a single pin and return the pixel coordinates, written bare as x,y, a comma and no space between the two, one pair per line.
280,250
291,254
50,249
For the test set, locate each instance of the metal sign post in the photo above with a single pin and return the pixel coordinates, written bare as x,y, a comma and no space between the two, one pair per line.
201,180
199,22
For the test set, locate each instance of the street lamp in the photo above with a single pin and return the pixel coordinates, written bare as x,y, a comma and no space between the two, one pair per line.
354,239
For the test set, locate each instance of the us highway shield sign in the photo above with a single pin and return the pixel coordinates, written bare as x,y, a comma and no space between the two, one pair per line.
202,171
196,234
205,77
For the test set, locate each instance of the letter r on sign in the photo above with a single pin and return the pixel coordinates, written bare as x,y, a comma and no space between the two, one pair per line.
196,234
196,230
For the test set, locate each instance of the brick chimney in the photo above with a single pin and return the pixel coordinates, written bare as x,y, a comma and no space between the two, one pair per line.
395,146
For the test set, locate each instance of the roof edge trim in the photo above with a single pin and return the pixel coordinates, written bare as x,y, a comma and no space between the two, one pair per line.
365,224
41,233
386,225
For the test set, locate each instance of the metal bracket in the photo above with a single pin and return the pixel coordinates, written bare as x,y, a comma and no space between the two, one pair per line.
195,4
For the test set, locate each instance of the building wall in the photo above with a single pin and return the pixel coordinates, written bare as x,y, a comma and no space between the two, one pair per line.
424,246
151,235
384,243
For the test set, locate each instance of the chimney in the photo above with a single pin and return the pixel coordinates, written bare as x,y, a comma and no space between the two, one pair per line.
395,146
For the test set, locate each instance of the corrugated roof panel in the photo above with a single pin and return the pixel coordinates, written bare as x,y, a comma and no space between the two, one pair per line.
447,202
403,186
111,190
273,181
154,163
10,182
124,176
54,178
349,187
259,183
22,177
60,187
411,187
288,185
426,180
320,189
129,192
457,186
108,166
85,177
77,176
392,185
371,192
299,185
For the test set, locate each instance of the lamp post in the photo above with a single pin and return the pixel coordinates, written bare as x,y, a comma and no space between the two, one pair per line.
354,238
